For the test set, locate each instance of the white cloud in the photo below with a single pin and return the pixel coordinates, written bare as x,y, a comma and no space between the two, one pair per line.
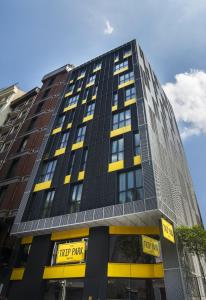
108,29
188,98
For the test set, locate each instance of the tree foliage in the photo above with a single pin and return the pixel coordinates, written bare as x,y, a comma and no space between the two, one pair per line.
193,239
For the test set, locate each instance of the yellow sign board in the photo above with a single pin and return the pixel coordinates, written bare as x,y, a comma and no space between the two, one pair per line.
168,231
150,246
70,252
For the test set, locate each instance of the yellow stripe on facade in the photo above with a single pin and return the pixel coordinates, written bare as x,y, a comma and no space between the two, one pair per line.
77,145
69,234
117,165
42,186
137,160
97,69
56,130
90,84
69,107
87,118
65,271
130,102
67,179
135,270
68,94
94,97
114,107
120,86
120,70
81,175
27,240
17,274
59,151
130,230
69,125
121,130
84,101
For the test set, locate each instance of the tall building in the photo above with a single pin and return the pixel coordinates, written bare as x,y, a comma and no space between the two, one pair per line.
21,136
109,183
7,96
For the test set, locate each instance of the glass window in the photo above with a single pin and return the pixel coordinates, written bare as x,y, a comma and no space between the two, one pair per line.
91,78
130,186
81,134
82,73
48,169
23,145
95,89
70,115
136,144
60,121
126,77
13,168
115,99
75,197
70,88
46,93
130,93
116,57
98,65
47,205
80,84
71,101
127,52
84,160
3,190
121,119
64,140
117,150
32,124
90,109
121,65
86,94
71,162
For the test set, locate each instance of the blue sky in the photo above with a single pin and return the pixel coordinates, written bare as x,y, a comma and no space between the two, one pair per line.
39,36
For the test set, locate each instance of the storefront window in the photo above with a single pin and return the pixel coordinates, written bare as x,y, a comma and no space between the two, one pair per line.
64,289
23,255
128,249
135,289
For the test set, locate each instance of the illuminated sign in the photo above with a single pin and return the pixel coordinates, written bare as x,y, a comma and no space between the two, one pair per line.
150,246
168,231
70,252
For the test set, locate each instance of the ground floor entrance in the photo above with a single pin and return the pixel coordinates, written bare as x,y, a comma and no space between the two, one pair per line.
117,289
64,290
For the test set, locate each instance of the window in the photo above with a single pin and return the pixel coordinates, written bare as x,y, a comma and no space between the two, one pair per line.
84,160
71,101
60,121
46,93
91,78
98,66
86,94
71,116
121,65
116,57
12,169
47,205
70,88
95,89
90,109
126,77
130,186
82,73
64,140
130,93
117,150
2,193
71,162
39,107
127,52
121,119
23,145
136,144
48,169
31,124
51,81
80,83
81,134
75,198
115,99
